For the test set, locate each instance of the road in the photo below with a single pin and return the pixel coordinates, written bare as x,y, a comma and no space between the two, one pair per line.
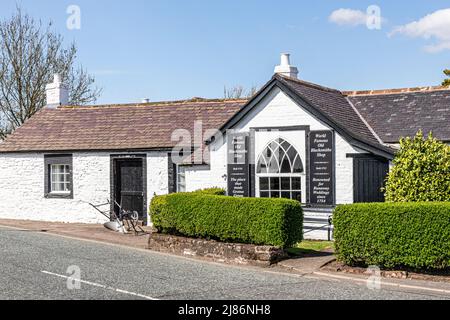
34,266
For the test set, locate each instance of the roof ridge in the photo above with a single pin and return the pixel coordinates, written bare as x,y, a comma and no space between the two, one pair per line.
156,103
307,83
364,120
395,91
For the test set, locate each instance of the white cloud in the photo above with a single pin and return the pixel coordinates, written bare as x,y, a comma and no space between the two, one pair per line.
434,26
348,17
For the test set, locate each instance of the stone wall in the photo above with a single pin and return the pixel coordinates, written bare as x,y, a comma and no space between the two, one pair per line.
22,181
234,253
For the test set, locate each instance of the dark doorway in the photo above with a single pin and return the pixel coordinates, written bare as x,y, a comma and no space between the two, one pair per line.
369,174
129,185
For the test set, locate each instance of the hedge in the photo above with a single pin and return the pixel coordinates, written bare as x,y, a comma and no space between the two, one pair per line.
275,222
212,191
391,235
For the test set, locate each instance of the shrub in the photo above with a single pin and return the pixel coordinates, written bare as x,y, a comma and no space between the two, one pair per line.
276,222
421,171
212,191
413,235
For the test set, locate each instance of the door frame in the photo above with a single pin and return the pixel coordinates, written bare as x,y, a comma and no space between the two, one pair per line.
357,179
113,179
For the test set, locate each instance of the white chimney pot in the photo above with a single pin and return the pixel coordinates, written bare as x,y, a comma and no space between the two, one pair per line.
285,68
57,93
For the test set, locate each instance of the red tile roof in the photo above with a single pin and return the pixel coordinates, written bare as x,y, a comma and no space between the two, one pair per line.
117,127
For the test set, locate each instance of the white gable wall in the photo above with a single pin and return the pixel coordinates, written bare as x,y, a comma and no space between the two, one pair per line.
22,187
279,110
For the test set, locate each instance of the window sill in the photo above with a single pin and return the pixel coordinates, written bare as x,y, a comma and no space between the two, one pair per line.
59,196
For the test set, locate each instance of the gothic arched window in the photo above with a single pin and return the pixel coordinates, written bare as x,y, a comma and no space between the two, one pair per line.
280,171
280,157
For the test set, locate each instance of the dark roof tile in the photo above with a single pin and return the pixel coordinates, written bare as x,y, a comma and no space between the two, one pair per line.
396,115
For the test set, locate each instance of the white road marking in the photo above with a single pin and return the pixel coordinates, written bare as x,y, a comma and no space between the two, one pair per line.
102,286
383,283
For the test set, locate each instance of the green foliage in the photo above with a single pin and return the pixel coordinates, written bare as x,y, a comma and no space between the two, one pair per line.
421,171
446,82
212,191
413,235
276,222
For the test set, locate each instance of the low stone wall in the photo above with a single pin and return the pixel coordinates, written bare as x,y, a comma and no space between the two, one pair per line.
235,253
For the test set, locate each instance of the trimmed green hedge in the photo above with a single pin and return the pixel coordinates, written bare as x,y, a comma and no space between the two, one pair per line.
389,235
212,191
276,222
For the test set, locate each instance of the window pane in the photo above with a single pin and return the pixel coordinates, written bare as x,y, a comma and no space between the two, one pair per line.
286,146
298,166
264,184
286,195
57,178
296,183
297,196
275,194
275,184
286,166
262,166
181,179
273,165
57,169
285,183
264,195
58,187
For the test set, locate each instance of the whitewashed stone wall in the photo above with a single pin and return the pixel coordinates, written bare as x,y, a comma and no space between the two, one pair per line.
22,187
199,177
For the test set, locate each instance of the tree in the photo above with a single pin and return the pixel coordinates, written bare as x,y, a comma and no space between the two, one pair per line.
30,54
239,92
421,171
446,82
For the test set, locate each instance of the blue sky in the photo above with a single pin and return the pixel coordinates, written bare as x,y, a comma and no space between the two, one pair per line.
177,49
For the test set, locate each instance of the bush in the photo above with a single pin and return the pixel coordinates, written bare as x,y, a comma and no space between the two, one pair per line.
276,222
212,191
421,171
413,235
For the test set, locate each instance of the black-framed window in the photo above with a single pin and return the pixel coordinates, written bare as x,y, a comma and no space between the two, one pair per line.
58,176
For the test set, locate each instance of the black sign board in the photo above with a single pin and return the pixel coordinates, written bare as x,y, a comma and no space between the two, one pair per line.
321,167
238,165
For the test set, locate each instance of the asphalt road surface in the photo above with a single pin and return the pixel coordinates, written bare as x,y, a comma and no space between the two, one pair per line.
35,266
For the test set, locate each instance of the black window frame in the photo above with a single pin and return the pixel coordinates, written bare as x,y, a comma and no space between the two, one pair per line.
62,159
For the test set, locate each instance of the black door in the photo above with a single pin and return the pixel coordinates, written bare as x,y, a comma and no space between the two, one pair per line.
369,176
129,185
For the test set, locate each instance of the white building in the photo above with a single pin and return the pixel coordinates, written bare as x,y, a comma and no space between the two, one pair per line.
293,139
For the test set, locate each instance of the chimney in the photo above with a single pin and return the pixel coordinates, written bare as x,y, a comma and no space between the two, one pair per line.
285,67
57,93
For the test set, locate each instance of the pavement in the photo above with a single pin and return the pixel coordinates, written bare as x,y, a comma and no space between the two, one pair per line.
39,265
308,264
94,232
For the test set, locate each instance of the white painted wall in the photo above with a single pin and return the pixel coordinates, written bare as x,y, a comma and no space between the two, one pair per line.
279,110
22,187
199,177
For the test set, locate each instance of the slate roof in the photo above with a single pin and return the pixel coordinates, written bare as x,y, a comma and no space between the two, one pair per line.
117,127
401,113
334,105
369,120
